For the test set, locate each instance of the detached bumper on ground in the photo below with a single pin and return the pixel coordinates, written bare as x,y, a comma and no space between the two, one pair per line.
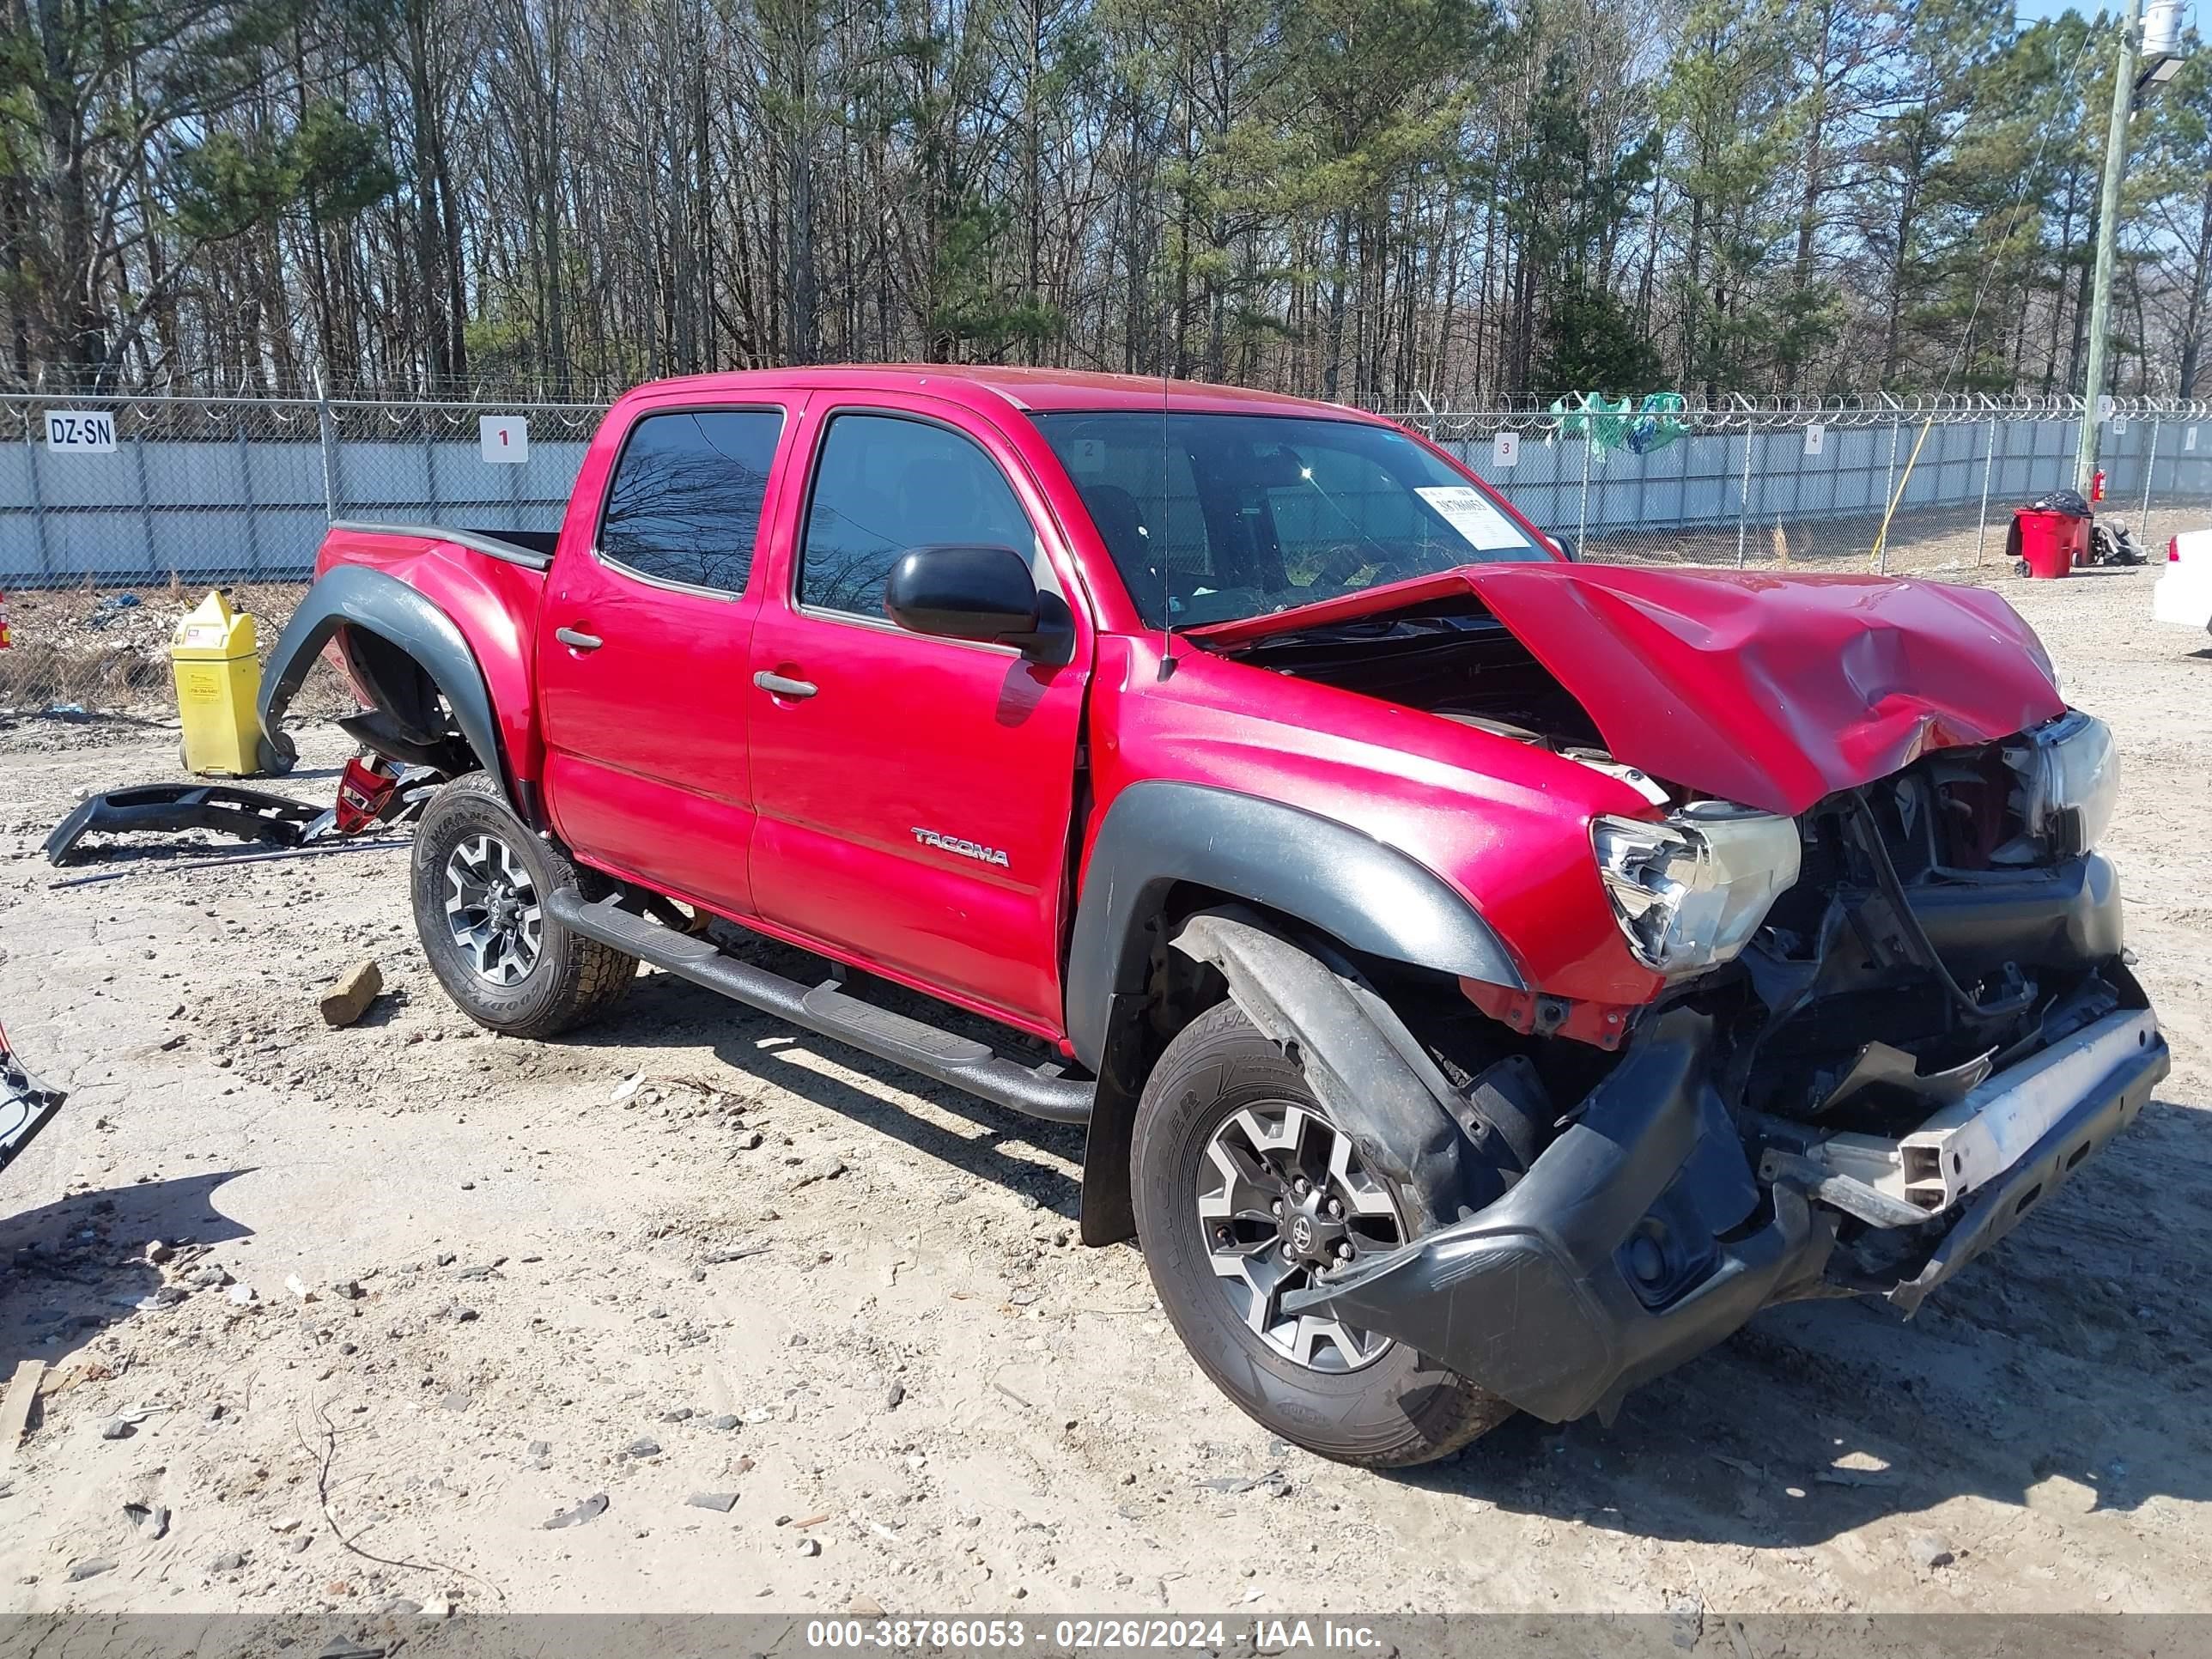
27,1105
1640,1237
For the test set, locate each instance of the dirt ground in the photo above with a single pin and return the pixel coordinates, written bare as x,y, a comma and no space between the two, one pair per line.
694,1254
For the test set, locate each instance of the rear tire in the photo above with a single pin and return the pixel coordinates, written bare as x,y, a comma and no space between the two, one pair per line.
480,880
1383,1406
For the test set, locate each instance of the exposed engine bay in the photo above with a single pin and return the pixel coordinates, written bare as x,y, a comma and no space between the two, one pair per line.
1452,658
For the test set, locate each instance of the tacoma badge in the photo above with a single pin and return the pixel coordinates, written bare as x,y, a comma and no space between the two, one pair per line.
967,849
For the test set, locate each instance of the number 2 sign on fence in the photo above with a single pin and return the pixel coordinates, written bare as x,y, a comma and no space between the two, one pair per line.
504,437
80,431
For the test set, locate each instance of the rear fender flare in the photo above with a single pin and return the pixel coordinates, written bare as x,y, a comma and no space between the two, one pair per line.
353,596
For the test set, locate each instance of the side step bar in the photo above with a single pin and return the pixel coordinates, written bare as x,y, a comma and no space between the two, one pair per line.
1040,1091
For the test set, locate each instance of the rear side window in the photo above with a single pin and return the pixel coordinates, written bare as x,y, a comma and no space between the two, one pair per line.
684,504
883,485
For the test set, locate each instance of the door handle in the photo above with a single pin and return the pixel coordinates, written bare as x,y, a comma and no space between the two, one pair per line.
777,685
579,639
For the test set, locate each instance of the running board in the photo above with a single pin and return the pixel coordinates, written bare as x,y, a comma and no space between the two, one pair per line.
964,1063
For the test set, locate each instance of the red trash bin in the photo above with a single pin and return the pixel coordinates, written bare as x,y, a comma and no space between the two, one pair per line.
2046,543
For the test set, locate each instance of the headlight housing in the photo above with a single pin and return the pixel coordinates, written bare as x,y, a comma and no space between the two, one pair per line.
1689,892
2069,782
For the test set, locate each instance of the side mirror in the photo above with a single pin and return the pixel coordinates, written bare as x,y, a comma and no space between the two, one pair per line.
985,593
1566,546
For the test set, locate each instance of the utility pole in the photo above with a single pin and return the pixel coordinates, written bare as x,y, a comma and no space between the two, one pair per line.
2108,215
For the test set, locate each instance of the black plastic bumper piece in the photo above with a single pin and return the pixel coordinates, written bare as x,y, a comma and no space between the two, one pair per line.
883,1032
2067,916
1533,1297
1999,1207
249,814
26,1106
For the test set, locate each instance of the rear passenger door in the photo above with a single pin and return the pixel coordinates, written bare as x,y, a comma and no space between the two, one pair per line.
642,653
914,794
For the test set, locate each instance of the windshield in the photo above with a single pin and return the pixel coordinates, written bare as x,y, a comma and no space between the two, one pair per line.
1217,518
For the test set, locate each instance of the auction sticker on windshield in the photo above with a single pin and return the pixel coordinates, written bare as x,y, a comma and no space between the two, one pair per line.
1471,512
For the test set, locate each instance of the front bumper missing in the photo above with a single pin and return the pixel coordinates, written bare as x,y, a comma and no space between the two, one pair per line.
1997,1125
1637,1239
2108,1107
27,1105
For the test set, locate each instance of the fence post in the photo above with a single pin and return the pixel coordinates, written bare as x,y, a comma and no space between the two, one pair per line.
326,429
1582,512
430,463
2150,465
246,488
1889,494
1989,469
145,498
1743,497
37,499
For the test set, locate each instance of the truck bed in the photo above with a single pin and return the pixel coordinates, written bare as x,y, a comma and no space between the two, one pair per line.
531,548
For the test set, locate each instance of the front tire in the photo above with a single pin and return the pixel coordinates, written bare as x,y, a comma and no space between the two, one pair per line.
1226,1129
480,881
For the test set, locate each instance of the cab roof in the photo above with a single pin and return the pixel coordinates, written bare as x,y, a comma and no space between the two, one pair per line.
1041,390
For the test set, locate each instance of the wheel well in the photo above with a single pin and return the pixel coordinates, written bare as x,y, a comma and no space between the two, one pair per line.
1177,990
407,656
401,689
412,702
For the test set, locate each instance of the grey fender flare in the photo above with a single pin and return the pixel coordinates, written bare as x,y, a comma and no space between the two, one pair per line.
1370,897
1326,875
1362,1063
354,596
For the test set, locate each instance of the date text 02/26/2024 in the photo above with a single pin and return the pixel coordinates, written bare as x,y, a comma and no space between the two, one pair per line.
1270,1636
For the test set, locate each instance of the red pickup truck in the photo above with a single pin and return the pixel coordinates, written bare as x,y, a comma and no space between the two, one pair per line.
1487,979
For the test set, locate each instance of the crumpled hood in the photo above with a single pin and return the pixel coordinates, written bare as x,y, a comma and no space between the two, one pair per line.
1775,690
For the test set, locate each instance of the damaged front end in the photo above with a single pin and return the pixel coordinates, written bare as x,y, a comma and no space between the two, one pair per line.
1925,1028
27,1105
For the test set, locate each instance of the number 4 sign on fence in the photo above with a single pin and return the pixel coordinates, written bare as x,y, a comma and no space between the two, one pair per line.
1816,436
503,437
76,432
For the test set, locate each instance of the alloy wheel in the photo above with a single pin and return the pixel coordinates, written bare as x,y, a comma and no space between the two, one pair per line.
1282,1198
492,911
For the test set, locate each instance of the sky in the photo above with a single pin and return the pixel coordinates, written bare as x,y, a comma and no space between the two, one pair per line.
2029,11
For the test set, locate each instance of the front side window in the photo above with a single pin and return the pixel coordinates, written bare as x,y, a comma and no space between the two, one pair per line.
684,503
1216,518
884,484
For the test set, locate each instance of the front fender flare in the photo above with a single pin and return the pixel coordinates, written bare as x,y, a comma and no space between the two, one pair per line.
353,596
1368,897
1326,875
1357,1054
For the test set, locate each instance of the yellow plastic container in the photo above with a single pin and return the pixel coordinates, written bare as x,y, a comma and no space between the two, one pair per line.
218,689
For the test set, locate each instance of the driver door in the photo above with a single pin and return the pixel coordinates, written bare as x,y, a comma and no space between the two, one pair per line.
914,794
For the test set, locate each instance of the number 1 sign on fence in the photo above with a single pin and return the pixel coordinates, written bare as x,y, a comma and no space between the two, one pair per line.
504,437
80,431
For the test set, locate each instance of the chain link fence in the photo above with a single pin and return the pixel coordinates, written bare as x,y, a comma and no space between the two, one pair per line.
1924,487
116,514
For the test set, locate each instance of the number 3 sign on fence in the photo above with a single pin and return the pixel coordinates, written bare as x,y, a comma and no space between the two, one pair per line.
503,437
77,432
